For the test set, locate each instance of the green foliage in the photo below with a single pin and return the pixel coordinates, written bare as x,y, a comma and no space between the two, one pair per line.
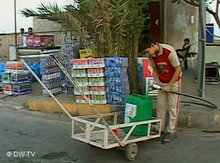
111,27
111,24
176,1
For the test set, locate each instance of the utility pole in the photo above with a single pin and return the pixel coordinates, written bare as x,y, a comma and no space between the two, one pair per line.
201,48
15,22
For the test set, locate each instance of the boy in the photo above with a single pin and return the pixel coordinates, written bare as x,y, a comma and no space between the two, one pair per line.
186,45
30,31
182,53
167,72
21,38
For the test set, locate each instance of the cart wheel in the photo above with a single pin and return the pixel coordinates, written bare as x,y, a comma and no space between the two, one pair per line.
131,151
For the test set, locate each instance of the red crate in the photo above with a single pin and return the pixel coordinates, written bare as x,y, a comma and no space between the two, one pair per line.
40,40
47,40
33,41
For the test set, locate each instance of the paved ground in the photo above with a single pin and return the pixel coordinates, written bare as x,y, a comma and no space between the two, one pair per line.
46,138
191,115
189,86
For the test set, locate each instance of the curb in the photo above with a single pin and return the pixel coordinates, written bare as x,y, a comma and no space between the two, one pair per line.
191,116
199,117
72,107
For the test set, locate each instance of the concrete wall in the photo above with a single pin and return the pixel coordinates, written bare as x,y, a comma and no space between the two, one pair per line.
177,24
45,26
41,25
5,41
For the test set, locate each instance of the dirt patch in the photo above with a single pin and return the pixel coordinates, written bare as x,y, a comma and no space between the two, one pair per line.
21,133
54,155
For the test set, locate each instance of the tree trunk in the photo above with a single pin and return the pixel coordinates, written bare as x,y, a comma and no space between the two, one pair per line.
132,67
133,76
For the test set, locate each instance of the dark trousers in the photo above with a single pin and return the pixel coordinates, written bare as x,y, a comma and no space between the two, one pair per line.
184,58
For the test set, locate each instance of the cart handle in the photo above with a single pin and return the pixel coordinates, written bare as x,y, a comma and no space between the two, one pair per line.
87,100
57,101
28,67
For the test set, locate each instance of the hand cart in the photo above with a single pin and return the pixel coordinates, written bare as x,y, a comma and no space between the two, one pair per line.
105,131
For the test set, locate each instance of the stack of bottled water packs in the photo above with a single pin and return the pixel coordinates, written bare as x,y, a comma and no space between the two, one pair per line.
70,51
51,75
117,80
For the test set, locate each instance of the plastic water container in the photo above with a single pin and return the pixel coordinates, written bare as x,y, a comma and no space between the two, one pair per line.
209,32
138,108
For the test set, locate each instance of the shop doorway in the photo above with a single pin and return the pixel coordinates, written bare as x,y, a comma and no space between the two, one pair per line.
153,26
